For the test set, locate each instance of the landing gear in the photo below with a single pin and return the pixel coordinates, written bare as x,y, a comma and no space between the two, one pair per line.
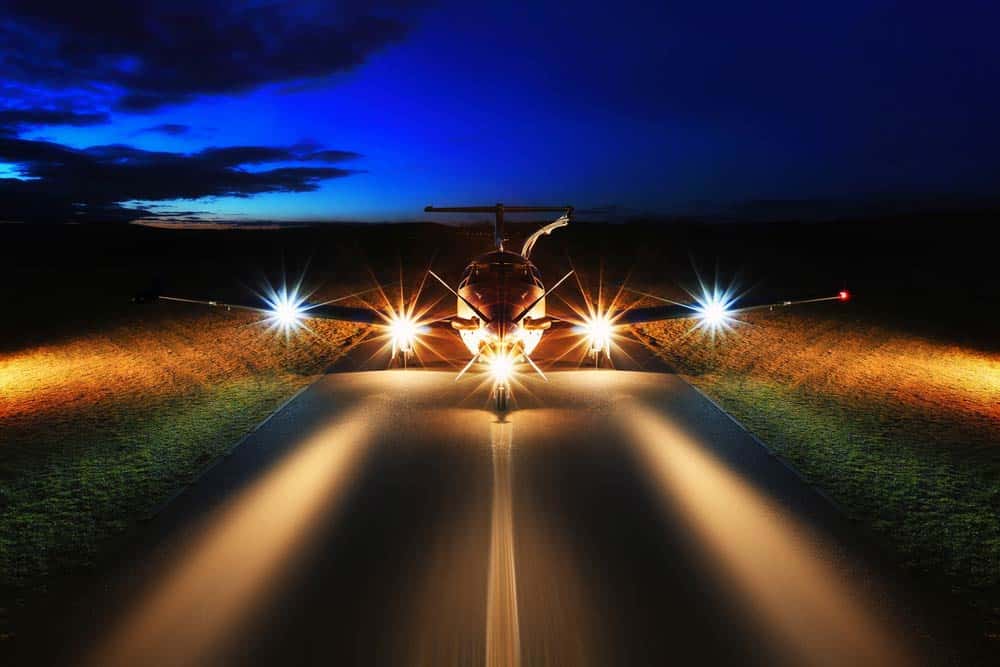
401,359
502,394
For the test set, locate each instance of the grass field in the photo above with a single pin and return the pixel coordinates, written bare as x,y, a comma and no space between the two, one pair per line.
902,431
101,427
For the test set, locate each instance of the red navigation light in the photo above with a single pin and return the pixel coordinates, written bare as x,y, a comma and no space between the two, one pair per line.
844,295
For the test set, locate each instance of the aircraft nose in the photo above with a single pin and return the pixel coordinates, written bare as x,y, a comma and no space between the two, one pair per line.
500,326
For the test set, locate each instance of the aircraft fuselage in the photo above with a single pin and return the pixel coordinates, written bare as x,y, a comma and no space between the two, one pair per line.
501,285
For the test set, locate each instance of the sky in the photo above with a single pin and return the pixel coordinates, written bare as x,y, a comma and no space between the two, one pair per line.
119,111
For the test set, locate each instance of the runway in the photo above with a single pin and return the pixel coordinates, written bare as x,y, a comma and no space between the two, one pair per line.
392,518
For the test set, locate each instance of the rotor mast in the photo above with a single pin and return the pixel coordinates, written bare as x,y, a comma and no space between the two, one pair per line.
498,228
498,211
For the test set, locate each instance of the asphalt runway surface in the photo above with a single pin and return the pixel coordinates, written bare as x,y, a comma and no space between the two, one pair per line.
393,518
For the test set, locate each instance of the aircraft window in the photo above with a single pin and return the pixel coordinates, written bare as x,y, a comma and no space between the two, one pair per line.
484,272
479,273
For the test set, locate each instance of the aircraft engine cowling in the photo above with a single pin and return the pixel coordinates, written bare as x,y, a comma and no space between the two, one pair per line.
536,323
465,323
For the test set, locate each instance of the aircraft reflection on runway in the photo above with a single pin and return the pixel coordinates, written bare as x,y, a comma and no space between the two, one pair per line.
240,555
500,582
503,640
786,578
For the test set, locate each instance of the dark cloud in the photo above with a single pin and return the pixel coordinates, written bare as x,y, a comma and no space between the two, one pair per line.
169,129
270,154
17,120
332,156
150,54
67,63
59,182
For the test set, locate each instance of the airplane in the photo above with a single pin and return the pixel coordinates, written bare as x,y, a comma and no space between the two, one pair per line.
500,312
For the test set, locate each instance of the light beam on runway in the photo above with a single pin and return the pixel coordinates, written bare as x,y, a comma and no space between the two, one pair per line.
782,573
240,555
503,635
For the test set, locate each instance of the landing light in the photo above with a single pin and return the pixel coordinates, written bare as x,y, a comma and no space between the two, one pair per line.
598,330
403,331
502,368
844,295
286,311
713,312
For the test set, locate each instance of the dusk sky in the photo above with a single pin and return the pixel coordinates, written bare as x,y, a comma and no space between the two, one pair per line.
369,111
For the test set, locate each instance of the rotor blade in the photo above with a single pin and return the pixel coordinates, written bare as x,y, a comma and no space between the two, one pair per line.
535,302
841,296
562,324
533,365
347,296
652,296
467,367
448,287
492,209
443,323
684,311
322,311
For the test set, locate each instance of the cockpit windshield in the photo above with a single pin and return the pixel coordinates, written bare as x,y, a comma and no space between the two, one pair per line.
484,272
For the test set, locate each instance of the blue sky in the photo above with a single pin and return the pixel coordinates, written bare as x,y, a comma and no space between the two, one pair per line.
662,109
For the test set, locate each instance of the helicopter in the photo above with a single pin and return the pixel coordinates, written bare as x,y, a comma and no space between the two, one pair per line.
500,307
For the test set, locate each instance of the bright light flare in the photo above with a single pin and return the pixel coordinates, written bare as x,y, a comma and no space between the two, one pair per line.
403,330
598,329
596,321
502,368
287,314
286,310
404,324
713,312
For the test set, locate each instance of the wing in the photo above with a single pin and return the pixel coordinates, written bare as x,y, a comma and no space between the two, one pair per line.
322,311
677,311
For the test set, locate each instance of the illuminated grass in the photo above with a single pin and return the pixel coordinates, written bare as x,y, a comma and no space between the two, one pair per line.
903,432
99,429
